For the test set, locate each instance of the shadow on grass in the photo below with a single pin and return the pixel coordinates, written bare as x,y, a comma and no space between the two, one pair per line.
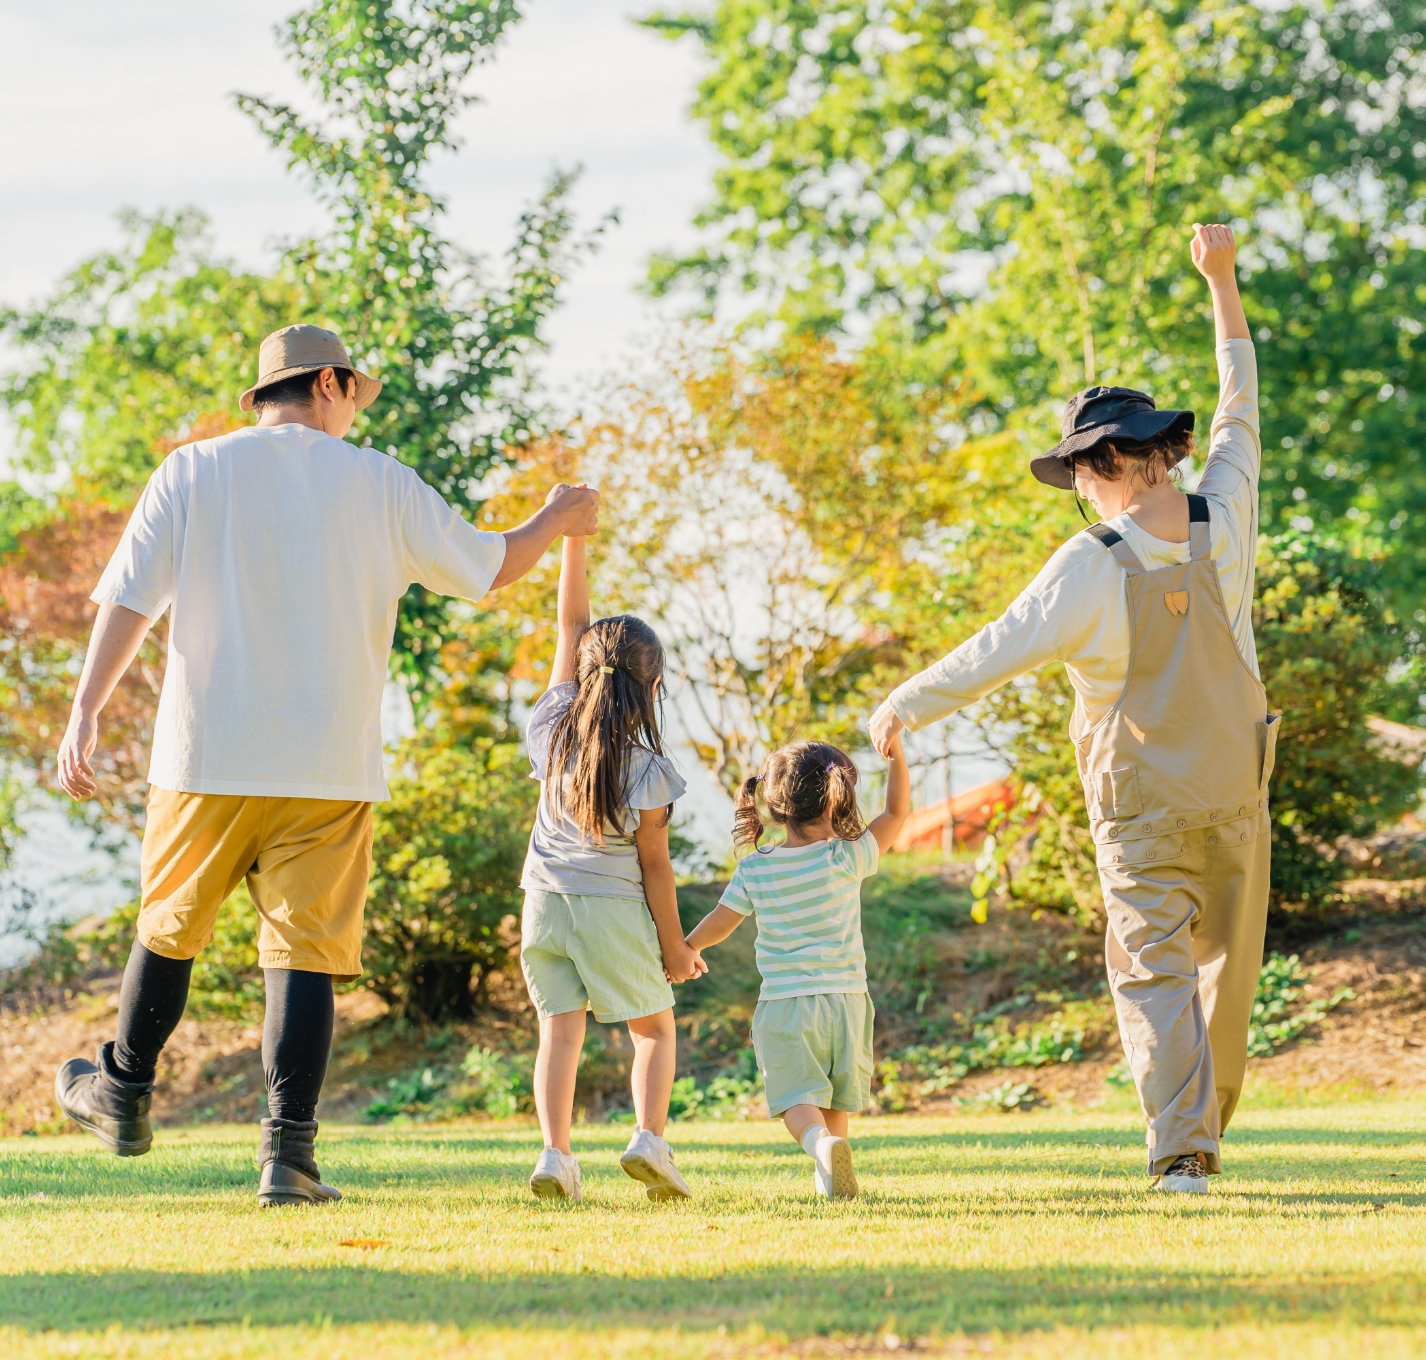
795,1302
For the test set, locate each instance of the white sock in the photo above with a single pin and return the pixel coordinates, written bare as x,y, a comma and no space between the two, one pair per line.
811,1136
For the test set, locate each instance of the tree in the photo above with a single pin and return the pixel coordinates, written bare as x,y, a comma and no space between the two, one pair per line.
148,346
1006,189
800,526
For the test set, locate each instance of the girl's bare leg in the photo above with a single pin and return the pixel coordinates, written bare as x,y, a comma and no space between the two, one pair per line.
655,1057
561,1038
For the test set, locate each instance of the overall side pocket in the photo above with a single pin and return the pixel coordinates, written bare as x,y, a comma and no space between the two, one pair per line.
1267,747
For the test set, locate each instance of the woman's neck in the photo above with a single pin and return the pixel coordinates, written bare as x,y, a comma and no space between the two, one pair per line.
1160,511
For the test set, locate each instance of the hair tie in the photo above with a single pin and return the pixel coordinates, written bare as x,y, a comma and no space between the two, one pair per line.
608,670
831,765
758,779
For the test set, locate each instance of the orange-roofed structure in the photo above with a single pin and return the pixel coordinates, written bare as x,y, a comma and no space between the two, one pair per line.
968,813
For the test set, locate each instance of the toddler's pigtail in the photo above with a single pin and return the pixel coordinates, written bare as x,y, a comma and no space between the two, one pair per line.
846,817
747,821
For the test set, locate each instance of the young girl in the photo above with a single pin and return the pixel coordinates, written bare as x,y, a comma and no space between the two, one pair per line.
600,929
812,1029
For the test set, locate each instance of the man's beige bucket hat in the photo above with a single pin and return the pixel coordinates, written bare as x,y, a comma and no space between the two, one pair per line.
295,350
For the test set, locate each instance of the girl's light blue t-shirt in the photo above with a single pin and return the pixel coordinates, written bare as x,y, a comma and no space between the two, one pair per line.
808,901
560,858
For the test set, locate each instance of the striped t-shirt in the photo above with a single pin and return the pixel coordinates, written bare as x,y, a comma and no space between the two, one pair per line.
808,901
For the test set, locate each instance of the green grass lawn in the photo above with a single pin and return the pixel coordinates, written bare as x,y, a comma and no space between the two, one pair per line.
1029,1234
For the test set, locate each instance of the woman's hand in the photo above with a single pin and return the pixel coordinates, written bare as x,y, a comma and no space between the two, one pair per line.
884,725
1213,251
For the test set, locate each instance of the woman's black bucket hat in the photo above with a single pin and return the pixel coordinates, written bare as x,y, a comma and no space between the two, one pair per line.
1100,413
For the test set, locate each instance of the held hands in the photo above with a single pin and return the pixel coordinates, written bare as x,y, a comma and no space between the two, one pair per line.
885,728
1214,251
76,776
683,963
575,509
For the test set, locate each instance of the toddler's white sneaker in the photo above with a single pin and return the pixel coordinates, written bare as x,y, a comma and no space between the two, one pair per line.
835,1176
649,1159
556,1176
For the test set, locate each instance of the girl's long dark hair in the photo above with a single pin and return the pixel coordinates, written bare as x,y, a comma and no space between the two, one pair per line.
617,664
800,783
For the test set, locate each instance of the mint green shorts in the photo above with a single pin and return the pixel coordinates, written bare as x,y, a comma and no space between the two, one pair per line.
599,953
815,1050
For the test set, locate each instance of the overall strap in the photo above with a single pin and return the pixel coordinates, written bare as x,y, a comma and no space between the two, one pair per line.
1198,528
1114,541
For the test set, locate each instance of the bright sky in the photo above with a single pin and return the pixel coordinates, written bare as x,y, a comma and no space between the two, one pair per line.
108,105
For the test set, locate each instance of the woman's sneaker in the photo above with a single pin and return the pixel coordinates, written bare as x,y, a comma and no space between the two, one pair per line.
649,1159
1186,1176
556,1176
836,1177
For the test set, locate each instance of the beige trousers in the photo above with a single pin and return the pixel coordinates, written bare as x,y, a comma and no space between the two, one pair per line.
1183,949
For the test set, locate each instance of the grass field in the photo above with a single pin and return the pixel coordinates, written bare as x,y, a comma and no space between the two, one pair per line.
1029,1234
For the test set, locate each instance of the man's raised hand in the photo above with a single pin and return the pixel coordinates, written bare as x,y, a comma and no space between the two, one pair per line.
576,509
884,725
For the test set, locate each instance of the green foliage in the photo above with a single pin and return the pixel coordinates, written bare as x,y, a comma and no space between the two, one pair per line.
733,1095
497,1084
903,909
1008,1096
1326,648
1281,983
448,851
1008,187
924,1070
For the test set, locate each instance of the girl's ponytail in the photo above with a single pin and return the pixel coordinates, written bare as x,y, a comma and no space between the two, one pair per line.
747,821
847,822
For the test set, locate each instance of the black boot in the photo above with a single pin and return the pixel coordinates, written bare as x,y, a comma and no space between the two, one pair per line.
289,1169
98,1099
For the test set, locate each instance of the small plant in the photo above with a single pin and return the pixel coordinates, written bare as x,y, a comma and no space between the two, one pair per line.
1005,1097
1282,981
1119,1077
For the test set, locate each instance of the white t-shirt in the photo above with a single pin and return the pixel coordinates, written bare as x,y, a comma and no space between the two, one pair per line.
1077,609
283,553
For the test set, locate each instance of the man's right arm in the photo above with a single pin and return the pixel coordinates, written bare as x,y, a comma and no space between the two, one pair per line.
568,511
118,635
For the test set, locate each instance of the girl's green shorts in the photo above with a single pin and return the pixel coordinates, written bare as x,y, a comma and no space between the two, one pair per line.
595,953
815,1050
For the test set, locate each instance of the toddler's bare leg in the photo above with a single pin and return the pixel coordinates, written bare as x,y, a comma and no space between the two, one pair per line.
800,1118
561,1038
655,1057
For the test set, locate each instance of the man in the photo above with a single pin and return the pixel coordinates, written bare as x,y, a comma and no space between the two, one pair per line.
283,553
1151,612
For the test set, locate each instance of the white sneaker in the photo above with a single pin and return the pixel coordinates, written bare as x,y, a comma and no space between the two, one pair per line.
649,1159
556,1176
835,1176
1186,1176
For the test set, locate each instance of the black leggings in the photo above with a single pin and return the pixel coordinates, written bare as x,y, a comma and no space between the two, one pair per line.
296,1032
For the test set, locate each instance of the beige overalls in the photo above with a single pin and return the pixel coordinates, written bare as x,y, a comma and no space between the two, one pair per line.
1175,776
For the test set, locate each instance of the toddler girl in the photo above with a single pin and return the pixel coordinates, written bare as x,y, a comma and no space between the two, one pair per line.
812,1029
600,928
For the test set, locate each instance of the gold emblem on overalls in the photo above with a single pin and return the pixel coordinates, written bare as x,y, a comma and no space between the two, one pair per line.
1177,601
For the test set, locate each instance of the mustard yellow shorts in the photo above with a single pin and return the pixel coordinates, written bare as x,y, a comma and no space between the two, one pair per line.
306,860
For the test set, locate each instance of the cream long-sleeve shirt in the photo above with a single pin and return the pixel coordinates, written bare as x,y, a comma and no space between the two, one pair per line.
1077,610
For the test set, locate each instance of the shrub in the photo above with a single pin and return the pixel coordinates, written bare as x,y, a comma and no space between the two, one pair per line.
448,850
1326,647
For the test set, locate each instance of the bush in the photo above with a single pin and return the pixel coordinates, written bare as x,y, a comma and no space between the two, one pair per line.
449,846
1326,647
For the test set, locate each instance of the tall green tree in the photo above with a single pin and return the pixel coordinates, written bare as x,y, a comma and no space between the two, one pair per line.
1008,187
148,345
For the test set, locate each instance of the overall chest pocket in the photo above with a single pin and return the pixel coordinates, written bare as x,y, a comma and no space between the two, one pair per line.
1118,793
